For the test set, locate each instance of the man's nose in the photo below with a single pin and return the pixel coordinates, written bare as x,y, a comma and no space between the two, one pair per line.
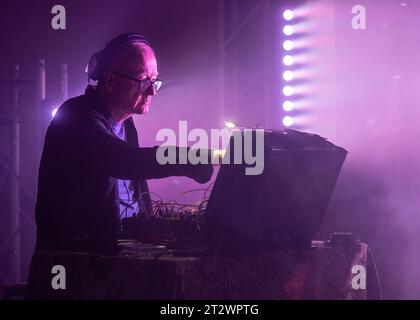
151,91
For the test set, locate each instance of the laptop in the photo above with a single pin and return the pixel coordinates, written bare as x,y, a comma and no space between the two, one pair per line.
284,205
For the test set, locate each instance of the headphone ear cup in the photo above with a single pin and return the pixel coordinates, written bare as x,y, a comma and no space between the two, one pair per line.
97,64
92,68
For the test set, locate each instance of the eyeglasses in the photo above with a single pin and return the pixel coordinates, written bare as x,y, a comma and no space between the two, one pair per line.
144,84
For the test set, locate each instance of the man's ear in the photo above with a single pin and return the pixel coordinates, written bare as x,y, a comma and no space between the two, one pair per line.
108,80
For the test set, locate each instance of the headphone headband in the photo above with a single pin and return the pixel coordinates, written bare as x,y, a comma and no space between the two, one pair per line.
125,39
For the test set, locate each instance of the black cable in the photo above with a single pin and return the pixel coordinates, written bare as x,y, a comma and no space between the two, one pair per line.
128,193
127,205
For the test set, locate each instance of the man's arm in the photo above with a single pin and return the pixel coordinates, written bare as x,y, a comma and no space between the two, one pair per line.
123,161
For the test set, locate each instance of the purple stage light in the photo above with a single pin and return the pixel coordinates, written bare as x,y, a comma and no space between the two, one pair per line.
288,121
288,30
288,45
288,15
288,91
288,60
288,75
288,106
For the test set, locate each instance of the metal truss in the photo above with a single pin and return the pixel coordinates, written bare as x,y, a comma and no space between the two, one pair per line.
244,37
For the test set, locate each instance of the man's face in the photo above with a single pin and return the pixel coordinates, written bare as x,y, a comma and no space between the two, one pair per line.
138,62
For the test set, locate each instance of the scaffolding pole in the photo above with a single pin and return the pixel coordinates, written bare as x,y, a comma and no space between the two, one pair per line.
14,210
64,82
39,99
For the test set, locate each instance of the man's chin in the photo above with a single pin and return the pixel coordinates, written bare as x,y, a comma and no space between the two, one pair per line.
142,110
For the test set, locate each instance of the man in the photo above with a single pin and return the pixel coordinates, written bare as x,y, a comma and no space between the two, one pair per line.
91,153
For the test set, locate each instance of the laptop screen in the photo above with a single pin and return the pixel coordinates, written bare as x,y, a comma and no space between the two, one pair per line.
285,203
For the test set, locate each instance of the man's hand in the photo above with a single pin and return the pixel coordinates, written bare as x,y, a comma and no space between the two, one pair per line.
176,159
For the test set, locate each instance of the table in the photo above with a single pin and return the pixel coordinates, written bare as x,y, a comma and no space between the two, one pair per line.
319,272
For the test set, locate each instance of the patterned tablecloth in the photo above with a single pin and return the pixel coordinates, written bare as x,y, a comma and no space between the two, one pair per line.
320,272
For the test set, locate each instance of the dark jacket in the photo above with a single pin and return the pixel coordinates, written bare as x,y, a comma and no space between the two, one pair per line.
77,186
